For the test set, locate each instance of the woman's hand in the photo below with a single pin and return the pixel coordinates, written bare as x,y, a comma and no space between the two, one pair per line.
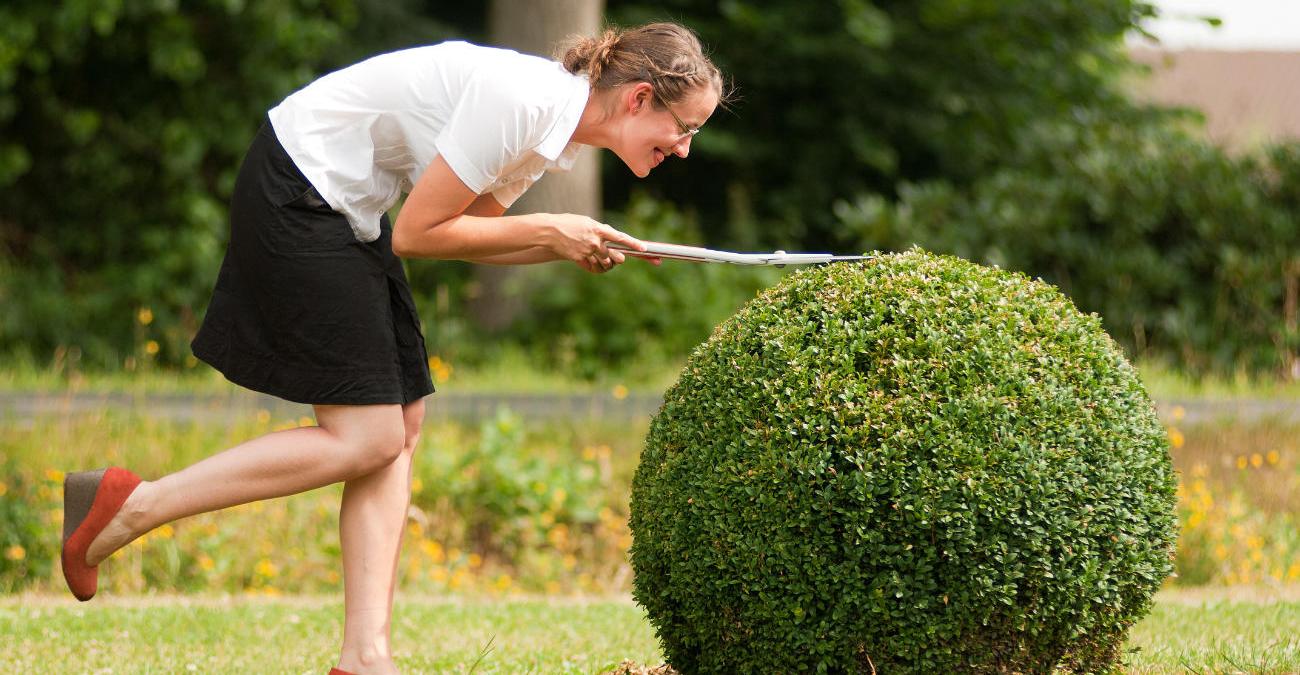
583,240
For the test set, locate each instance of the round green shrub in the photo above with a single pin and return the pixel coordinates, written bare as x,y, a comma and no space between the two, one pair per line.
913,464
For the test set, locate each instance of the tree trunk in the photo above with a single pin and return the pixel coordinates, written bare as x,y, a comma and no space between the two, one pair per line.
534,27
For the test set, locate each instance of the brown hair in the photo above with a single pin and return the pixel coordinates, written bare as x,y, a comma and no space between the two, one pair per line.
667,55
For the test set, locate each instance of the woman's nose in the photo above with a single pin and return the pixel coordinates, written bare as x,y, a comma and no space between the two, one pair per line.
683,147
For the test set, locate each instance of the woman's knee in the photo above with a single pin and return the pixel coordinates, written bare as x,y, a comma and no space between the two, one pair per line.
373,436
412,422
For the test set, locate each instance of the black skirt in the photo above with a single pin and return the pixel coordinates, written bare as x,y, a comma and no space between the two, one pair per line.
302,310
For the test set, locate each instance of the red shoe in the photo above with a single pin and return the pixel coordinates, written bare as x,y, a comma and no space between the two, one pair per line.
90,500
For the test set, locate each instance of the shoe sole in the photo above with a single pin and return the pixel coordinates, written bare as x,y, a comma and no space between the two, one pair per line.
79,490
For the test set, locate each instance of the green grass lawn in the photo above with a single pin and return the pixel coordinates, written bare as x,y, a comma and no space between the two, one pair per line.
512,371
1188,631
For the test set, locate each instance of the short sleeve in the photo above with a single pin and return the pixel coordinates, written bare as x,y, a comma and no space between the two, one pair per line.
510,192
488,129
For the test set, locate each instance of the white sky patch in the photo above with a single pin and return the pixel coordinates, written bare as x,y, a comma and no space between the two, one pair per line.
1247,24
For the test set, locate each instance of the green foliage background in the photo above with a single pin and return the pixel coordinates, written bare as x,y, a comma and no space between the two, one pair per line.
995,130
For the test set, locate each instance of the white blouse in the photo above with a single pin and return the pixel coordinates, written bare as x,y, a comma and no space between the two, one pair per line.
363,135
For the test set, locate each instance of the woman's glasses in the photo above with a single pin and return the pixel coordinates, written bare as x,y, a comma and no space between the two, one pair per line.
686,130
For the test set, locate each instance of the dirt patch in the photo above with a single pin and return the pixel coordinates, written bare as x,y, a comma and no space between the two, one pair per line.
630,667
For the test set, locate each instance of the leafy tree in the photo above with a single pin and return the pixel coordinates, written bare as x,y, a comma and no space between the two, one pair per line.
856,96
123,124
1187,252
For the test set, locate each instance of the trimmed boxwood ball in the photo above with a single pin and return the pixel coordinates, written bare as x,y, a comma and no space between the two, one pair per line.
914,464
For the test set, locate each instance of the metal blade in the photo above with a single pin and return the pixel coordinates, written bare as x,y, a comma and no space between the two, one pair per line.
656,249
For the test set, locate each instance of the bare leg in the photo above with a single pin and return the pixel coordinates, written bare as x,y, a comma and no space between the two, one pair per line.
351,441
371,523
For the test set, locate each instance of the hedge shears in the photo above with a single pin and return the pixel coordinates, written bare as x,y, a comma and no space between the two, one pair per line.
655,249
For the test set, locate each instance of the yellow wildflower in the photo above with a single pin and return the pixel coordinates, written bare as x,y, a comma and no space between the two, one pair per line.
1176,438
1273,457
441,370
1257,460
151,347
54,475
266,568
620,392
306,421
1179,412
164,531
4,489
144,316
433,549
417,486
15,552
1241,462
206,563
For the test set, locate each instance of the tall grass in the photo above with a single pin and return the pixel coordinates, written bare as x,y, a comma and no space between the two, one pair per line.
511,507
498,508
1239,503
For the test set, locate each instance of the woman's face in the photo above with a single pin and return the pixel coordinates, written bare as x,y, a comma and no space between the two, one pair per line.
650,133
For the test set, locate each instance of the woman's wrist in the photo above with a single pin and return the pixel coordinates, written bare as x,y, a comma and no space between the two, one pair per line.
546,231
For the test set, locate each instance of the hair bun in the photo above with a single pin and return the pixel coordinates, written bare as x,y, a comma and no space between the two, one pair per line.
667,55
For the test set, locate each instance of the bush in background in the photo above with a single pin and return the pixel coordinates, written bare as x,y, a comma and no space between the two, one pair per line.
123,124
584,323
1188,253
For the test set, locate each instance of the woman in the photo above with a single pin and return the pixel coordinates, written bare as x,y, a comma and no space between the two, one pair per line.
311,304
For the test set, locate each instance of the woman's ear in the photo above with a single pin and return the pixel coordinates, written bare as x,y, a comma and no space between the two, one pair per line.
638,96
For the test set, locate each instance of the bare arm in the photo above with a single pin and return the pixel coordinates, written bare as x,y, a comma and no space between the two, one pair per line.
442,218
487,206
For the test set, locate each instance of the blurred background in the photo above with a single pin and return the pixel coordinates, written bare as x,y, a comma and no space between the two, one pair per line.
1142,156
1148,166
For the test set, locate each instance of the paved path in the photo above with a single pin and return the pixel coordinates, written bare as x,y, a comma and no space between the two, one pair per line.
471,407
441,406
